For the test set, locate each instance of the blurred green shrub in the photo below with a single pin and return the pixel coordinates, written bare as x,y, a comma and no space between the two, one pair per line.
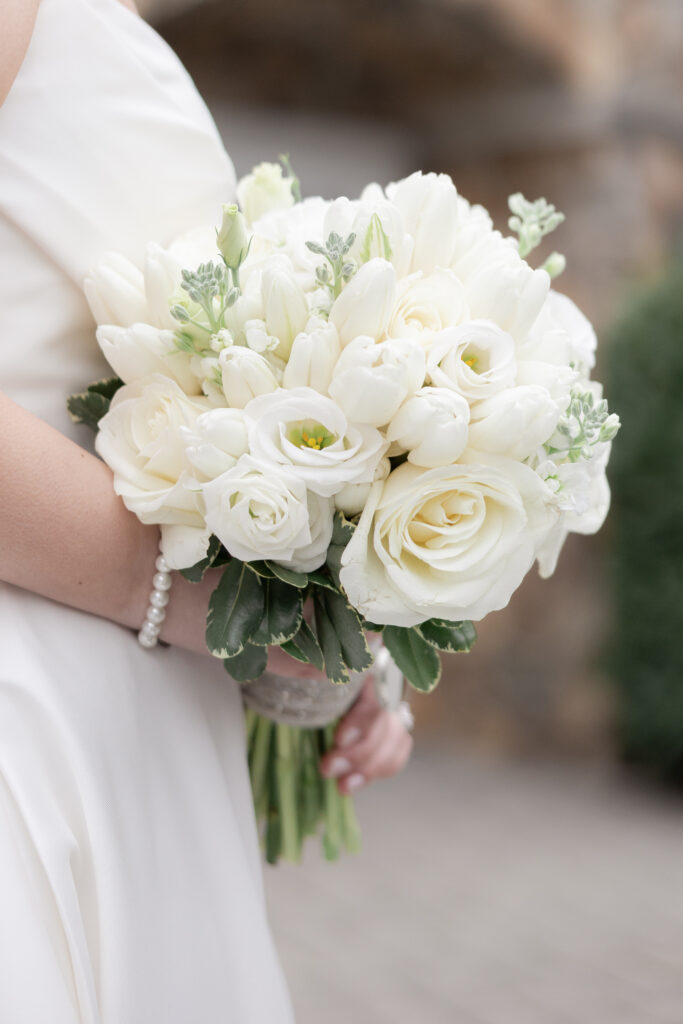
644,383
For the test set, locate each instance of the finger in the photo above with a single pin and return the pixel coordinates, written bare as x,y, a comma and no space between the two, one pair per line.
388,762
344,760
358,720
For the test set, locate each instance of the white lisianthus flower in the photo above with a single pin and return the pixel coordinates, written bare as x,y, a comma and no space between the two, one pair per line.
428,204
371,380
476,359
432,427
365,304
245,374
426,304
215,442
285,308
140,439
514,422
309,434
583,496
452,543
140,351
351,499
267,188
561,335
313,357
260,511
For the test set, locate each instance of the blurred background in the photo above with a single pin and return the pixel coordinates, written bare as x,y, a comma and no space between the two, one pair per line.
527,867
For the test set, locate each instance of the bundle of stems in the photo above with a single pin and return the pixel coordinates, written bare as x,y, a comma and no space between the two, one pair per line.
291,798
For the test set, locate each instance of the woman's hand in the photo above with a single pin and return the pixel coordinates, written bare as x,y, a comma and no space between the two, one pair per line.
370,743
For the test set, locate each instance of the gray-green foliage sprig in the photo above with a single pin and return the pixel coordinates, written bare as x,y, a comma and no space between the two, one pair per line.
585,424
338,269
211,288
531,221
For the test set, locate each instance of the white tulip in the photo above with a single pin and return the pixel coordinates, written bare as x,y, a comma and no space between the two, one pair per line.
377,226
452,542
264,190
508,292
285,308
215,442
514,422
260,511
245,374
428,204
140,351
365,304
475,359
313,358
371,380
309,434
351,499
115,290
432,427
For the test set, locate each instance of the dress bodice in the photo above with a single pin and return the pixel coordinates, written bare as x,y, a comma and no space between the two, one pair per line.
105,144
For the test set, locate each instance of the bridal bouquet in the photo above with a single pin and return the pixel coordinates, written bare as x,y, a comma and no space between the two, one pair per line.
375,407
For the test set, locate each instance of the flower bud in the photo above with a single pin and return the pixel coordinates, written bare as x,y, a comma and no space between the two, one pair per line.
365,304
432,427
265,189
245,375
232,237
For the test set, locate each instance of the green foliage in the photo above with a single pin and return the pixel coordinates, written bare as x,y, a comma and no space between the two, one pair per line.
91,405
417,659
645,383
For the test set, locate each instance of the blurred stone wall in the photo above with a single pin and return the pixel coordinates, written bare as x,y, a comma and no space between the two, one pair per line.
579,101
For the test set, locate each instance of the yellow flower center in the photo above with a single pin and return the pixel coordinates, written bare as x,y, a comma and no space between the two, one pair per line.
309,434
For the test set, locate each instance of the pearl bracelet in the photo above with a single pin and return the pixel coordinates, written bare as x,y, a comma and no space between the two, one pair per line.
158,599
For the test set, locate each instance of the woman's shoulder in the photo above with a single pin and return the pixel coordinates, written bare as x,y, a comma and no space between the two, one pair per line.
18,19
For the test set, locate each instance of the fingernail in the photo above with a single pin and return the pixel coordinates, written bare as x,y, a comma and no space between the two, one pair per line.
348,737
338,766
354,782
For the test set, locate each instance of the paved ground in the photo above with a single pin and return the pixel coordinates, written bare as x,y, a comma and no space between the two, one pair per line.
492,894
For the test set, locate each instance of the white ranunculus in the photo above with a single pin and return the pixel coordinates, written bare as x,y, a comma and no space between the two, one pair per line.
366,302
285,308
561,335
514,422
115,290
141,442
476,359
267,188
432,427
452,543
141,350
261,511
428,204
426,304
371,380
215,442
313,357
351,499
245,374
309,434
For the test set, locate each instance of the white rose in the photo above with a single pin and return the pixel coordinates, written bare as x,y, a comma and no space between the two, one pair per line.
140,440
561,335
259,511
475,359
452,543
351,499
265,189
285,308
514,422
310,435
426,304
371,380
215,442
245,374
428,204
141,350
313,357
432,427
365,304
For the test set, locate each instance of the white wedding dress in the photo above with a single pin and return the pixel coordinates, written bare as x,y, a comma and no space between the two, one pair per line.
130,874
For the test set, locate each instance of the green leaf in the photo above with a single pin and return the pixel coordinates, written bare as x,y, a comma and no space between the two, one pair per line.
195,573
91,405
261,569
349,629
295,579
417,660
304,647
235,610
448,636
282,613
107,388
342,532
321,579
372,627
249,664
335,666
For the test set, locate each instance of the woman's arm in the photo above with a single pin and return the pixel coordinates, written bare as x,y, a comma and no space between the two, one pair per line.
18,18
